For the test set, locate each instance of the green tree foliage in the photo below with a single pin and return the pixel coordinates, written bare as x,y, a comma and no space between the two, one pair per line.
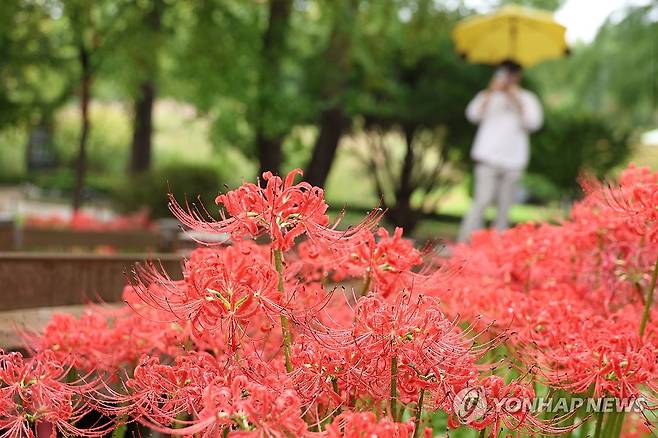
408,75
259,70
408,79
144,51
600,96
230,73
150,189
615,76
571,144
35,68
92,30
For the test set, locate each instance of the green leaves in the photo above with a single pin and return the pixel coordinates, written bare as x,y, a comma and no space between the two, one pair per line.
615,76
572,142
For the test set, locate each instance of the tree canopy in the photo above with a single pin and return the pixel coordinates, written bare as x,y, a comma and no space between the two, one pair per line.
260,70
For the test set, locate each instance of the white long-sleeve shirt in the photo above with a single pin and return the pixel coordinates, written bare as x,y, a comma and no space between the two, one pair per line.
502,137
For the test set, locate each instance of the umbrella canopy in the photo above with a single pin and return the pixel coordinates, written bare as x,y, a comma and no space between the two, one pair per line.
527,36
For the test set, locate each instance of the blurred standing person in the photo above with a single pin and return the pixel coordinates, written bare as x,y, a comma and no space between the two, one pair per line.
506,114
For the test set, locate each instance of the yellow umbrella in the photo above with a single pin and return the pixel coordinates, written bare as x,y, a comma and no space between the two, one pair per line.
527,36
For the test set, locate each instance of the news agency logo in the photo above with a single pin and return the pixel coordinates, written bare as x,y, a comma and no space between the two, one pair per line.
471,404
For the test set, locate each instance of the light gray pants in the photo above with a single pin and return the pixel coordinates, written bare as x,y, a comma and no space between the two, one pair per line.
491,182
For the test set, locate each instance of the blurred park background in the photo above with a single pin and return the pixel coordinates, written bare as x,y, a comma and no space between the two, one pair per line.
105,105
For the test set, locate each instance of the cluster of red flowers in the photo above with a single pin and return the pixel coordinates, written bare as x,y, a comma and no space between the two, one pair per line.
43,395
351,333
578,294
81,221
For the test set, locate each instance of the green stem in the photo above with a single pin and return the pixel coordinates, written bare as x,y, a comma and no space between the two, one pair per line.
599,423
180,420
287,341
394,388
610,425
617,419
366,285
278,265
648,301
285,324
119,431
620,424
419,413
334,385
584,428
483,433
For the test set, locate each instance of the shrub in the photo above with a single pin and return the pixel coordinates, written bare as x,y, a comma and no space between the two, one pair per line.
572,143
184,180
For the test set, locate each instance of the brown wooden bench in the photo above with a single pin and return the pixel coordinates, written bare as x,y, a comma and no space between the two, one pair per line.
34,286
43,239
31,280
165,237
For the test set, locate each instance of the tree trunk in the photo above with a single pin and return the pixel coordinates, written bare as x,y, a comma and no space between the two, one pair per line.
333,123
405,188
85,90
270,154
268,143
402,214
143,122
333,120
143,128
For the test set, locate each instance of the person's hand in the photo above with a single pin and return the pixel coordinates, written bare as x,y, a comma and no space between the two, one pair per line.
513,91
497,83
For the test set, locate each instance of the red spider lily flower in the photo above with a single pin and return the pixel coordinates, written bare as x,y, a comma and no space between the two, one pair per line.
415,331
430,351
317,262
366,424
104,339
385,262
513,416
631,203
35,392
605,356
243,408
317,368
270,412
78,341
282,210
159,394
222,291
